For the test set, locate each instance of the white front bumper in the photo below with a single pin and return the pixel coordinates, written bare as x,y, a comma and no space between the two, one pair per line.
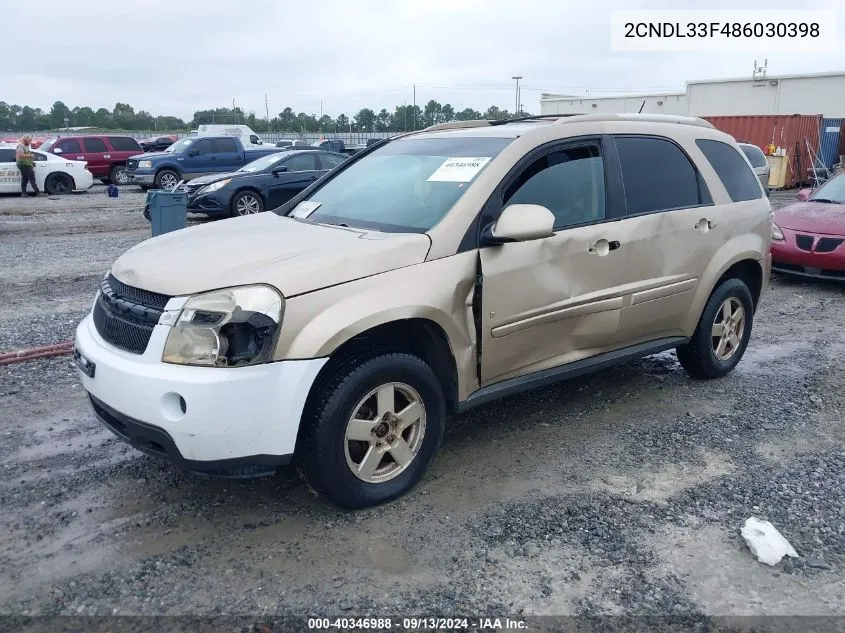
230,413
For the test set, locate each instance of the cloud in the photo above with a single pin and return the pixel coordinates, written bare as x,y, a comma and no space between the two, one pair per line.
172,57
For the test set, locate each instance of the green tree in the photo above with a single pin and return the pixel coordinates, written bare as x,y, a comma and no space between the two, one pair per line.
325,123
384,121
365,120
82,116
468,114
342,123
102,118
60,115
27,120
287,120
7,119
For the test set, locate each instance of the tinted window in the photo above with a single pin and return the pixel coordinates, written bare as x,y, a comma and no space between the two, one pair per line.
300,162
204,147
69,146
732,169
755,155
39,156
327,161
658,176
225,145
124,144
94,145
568,182
7,156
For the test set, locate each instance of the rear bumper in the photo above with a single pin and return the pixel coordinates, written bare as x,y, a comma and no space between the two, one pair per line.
83,181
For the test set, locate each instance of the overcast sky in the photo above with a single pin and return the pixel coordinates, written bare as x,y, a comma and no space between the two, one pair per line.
178,56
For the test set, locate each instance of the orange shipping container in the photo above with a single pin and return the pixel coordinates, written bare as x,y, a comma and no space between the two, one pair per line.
792,132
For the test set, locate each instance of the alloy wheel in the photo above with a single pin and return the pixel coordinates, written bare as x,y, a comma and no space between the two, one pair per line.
728,329
247,205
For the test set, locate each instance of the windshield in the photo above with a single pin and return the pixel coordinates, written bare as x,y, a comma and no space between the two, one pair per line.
833,190
755,155
404,186
262,163
46,145
180,146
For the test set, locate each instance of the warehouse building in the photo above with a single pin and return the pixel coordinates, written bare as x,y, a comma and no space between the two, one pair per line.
819,93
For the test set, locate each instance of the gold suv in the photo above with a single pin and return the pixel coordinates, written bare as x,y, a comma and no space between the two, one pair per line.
430,273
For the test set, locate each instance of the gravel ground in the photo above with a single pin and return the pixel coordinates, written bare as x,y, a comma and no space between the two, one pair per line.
621,493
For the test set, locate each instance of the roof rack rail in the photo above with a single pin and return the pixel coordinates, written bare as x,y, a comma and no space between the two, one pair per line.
648,118
533,117
455,125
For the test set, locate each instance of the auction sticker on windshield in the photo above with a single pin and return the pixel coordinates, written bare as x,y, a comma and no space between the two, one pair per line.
304,209
459,169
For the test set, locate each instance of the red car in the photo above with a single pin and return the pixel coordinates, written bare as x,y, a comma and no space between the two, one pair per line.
36,141
106,155
808,237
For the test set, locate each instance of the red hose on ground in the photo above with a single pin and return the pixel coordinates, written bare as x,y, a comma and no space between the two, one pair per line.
45,351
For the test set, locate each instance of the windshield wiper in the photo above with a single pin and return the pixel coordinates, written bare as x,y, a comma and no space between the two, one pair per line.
824,200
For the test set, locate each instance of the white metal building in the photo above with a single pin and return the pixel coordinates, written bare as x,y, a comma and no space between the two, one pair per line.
820,93
663,103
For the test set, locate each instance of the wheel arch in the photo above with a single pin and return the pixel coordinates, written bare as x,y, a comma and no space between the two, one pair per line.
60,173
251,188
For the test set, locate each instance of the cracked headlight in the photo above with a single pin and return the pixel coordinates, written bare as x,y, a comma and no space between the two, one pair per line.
231,327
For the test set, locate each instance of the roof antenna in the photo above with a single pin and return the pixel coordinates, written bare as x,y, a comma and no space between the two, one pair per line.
641,107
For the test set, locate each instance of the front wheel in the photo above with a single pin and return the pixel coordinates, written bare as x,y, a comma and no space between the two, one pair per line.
247,203
373,430
166,179
58,184
719,341
118,175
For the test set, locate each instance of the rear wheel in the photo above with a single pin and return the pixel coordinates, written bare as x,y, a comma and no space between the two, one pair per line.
58,184
247,203
118,175
722,334
166,179
373,430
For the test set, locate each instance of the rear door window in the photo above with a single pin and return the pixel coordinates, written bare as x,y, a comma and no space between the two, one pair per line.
328,161
658,176
225,146
94,145
301,162
732,169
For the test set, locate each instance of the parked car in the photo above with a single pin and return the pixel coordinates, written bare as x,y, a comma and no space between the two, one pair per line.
265,183
189,158
158,143
296,143
243,132
106,155
338,146
758,163
36,142
52,174
809,235
436,272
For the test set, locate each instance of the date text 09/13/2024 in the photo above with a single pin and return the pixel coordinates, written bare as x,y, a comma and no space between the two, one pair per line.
416,624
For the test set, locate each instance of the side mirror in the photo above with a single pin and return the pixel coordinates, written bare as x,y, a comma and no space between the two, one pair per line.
804,194
58,150
520,223
194,152
279,170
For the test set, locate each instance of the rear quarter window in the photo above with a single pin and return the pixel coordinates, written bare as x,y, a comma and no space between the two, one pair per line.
734,172
124,144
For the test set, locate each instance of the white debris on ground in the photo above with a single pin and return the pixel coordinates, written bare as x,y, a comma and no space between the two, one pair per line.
765,542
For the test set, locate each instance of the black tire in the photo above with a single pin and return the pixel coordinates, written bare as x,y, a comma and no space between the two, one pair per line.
246,199
321,455
118,175
58,184
698,357
163,178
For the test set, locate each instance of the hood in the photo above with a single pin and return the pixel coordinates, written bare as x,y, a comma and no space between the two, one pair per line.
292,255
207,180
813,217
149,155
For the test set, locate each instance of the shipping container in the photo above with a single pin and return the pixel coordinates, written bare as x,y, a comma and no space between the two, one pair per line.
793,133
831,141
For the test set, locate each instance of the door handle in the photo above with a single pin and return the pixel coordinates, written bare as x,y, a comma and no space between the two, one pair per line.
106,155
80,158
602,247
704,225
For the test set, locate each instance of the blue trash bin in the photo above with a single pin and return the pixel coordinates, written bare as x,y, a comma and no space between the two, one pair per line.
166,210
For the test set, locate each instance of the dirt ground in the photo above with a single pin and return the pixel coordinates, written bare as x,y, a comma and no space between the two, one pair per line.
618,493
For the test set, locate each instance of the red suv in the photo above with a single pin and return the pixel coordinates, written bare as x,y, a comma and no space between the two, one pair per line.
106,155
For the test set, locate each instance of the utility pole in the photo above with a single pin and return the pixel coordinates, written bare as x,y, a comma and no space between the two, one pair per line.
405,110
516,103
267,111
415,107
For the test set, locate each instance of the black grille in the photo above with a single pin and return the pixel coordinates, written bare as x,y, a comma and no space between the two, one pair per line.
804,242
131,164
124,316
137,295
828,244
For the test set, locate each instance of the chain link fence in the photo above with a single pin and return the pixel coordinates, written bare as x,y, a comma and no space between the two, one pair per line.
349,138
